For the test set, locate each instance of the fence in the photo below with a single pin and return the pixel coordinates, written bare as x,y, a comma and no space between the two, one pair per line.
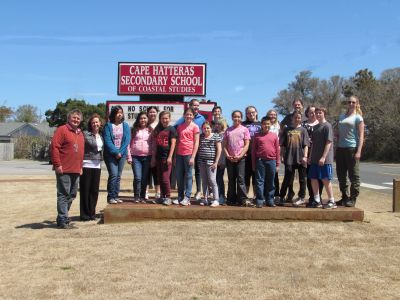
6,151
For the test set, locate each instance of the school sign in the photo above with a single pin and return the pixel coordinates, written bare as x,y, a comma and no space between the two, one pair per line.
187,79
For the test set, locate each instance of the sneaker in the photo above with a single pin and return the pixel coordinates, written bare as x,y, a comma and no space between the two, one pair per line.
330,205
203,202
271,203
175,202
215,203
118,200
66,226
157,196
197,196
350,203
136,200
166,201
315,204
185,201
143,200
248,203
299,202
277,199
281,201
112,201
147,196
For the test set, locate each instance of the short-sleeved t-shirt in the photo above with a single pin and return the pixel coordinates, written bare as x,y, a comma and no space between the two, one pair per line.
294,140
208,148
186,137
348,130
118,132
234,138
163,141
287,120
322,133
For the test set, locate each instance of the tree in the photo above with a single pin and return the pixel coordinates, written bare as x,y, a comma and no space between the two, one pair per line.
58,116
312,90
27,113
5,113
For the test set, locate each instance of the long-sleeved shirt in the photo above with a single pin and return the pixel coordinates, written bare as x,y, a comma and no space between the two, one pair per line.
67,149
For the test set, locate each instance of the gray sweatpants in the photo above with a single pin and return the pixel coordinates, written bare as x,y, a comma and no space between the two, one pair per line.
209,180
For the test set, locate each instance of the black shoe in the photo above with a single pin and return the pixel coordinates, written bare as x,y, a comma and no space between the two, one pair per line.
342,202
350,203
315,204
85,219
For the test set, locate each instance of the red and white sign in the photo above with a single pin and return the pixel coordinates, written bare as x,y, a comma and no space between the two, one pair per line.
133,108
161,78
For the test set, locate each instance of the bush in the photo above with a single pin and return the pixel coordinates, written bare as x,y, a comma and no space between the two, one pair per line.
32,147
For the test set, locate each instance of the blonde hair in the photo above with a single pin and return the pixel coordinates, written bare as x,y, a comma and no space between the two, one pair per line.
276,119
358,106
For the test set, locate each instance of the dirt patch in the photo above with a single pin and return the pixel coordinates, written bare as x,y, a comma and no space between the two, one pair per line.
192,259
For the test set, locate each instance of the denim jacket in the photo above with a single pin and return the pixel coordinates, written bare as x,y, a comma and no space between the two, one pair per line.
91,151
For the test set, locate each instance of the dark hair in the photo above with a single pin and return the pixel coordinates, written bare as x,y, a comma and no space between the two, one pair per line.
188,109
113,113
264,119
321,109
237,111
89,123
191,101
152,107
247,108
298,99
136,125
216,107
159,126
308,109
296,113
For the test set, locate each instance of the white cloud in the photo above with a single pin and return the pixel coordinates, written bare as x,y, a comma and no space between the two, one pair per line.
239,88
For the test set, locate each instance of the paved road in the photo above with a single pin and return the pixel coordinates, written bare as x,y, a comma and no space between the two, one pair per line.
374,176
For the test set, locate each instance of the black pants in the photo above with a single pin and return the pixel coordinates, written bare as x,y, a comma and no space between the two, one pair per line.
237,193
89,191
197,173
289,177
249,174
276,183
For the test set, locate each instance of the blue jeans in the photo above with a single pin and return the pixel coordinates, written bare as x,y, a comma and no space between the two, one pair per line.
265,176
114,168
141,169
67,188
184,176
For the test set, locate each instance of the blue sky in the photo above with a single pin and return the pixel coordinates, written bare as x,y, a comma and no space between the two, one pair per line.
54,50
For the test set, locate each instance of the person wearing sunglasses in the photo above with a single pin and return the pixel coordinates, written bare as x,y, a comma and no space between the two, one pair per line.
348,152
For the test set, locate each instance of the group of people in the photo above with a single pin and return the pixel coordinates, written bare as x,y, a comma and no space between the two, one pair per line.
251,151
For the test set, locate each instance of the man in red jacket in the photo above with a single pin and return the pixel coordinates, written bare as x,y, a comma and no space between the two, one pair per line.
67,148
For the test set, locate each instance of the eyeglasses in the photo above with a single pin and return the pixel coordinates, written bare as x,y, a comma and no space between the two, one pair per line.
351,102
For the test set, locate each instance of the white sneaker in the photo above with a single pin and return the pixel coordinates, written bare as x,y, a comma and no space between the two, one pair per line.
175,202
299,202
118,200
157,196
146,196
112,201
185,201
215,203
197,196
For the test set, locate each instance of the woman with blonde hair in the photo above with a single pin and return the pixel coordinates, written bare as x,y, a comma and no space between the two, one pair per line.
348,152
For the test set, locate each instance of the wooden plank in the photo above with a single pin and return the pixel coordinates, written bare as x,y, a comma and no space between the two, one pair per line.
128,212
396,195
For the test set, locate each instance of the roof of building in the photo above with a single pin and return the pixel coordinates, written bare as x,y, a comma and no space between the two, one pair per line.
9,128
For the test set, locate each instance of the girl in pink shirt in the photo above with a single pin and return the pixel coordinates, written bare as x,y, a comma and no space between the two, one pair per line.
187,145
235,144
140,155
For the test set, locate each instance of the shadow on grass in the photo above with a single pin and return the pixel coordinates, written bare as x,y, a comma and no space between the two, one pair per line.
42,225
